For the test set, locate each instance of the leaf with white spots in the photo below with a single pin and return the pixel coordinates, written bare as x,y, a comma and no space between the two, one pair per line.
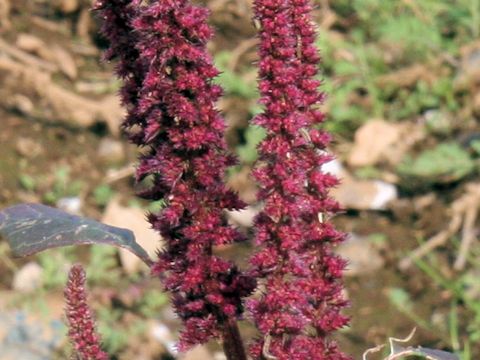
31,228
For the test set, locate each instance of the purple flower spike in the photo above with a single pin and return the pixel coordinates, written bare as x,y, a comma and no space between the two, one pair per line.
81,325
117,28
302,297
170,96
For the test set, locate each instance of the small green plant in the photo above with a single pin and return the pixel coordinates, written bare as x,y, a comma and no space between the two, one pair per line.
465,293
63,186
114,338
152,301
368,172
378,239
232,82
247,152
462,291
27,182
55,266
445,163
402,301
475,145
102,194
102,266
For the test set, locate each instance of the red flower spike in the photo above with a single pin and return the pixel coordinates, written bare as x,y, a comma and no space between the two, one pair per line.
170,97
81,325
117,28
300,306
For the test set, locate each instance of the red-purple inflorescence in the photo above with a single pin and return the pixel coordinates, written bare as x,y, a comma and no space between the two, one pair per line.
172,116
81,325
302,294
117,16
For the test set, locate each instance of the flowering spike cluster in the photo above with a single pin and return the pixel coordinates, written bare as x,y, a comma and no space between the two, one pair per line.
81,326
117,28
303,297
172,116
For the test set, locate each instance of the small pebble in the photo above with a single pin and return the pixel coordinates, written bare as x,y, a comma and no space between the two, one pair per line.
28,148
111,151
28,279
162,334
72,205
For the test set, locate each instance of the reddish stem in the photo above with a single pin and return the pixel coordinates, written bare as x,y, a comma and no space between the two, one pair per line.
232,342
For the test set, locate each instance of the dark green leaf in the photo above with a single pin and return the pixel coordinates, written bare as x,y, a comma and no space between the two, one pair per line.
30,228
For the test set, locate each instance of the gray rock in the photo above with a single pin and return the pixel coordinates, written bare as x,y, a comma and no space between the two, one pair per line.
362,256
26,339
364,194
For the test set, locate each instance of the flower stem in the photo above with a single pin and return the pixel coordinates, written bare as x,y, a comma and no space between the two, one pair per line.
232,342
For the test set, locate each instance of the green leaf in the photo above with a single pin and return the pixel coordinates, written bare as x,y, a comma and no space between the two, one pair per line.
404,30
446,162
102,267
400,298
102,194
31,228
253,136
27,182
232,82
476,146
152,301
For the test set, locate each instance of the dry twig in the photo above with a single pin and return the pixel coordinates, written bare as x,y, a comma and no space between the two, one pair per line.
464,211
61,104
26,58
